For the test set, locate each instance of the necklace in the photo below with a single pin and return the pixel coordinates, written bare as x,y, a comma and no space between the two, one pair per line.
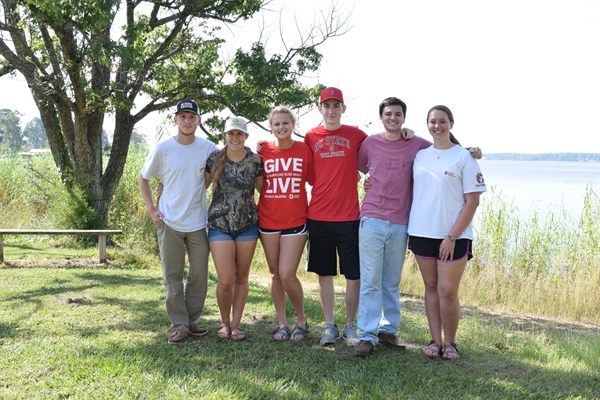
439,155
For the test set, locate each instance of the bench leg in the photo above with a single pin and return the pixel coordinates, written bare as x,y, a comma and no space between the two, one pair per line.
1,248
102,248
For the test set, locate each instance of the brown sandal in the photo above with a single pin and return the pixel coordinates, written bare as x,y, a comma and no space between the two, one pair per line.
450,352
433,350
224,331
239,335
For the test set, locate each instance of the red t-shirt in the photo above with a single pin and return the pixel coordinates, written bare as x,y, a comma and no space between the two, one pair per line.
283,202
334,196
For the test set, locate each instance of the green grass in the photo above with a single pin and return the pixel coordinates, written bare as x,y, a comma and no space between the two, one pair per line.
71,328
85,331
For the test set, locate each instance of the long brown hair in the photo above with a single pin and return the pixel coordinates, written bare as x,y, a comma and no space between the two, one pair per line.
220,161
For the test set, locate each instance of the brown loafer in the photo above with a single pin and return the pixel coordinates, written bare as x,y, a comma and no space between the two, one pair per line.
196,330
177,335
390,340
363,349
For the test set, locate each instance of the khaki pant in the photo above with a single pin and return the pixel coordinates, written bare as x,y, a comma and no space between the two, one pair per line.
184,306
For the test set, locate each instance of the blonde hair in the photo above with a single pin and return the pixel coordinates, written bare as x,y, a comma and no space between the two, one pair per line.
282,110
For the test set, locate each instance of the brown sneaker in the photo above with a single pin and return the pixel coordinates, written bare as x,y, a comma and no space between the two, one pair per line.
177,335
390,340
196,330
363,349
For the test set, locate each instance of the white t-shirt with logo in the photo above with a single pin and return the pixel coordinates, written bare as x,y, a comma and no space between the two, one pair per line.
439,187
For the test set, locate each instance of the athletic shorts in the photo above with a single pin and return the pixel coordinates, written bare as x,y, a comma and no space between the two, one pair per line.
430,248
327,240
296,231
247,235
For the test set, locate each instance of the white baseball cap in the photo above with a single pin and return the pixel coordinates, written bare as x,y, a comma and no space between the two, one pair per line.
236,123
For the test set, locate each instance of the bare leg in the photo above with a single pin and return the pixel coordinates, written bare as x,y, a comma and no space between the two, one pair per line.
429,272
244,252
272,250
291,252
352,299
223,253
327,294
450,274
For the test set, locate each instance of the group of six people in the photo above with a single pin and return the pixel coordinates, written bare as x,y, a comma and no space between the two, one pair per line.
370,242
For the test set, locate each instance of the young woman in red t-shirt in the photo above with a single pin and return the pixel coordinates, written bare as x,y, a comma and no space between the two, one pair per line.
282,211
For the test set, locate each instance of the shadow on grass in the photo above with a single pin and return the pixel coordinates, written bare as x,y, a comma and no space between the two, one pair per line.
305,369
7,330
42,254
261,368
510,320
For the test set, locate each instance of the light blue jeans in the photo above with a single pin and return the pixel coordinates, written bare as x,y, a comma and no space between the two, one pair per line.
382,247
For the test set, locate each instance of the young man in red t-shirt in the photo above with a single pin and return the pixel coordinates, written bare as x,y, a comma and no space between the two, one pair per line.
333,212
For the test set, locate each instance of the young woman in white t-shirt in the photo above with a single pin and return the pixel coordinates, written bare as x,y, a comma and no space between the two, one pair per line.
447,185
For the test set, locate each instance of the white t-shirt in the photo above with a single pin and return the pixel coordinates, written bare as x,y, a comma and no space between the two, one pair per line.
181,170
439,188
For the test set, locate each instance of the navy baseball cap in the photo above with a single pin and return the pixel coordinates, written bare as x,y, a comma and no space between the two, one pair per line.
188,106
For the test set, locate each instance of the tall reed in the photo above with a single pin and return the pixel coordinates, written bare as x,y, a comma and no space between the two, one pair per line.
548,267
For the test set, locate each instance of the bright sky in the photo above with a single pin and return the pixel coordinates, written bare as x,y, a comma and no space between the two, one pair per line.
519,75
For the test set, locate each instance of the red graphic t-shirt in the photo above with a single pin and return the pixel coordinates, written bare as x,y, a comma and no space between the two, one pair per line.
334,196
283,202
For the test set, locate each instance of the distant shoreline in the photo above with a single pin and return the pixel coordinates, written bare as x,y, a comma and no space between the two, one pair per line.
585,157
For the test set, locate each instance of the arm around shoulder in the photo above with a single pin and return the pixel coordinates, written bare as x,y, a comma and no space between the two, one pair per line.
475,152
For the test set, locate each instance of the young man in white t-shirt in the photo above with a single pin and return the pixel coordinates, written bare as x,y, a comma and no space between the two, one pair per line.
181,219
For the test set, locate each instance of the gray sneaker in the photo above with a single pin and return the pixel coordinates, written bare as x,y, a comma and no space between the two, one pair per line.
330,334
349,334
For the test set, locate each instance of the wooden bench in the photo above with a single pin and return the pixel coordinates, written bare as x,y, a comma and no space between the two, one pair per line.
100,232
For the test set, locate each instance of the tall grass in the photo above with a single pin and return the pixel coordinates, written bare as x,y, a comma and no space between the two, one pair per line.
547,266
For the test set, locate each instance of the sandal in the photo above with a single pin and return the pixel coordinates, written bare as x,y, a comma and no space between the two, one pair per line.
450,352
281,333
432,350
239,336
300,332
224,331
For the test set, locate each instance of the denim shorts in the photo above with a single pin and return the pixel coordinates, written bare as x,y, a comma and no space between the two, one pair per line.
246,235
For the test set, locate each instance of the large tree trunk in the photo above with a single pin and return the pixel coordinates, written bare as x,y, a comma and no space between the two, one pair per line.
65,52
124,124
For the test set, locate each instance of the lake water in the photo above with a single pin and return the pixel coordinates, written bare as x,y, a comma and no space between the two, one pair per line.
541,186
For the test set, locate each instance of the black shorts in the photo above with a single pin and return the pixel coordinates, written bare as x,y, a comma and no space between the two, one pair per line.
430,248
326,240
298,230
